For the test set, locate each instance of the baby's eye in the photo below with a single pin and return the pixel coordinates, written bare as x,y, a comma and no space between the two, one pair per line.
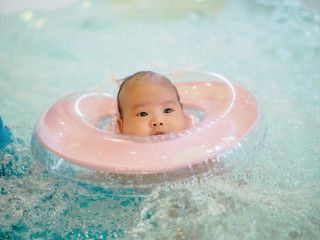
142,114
168,110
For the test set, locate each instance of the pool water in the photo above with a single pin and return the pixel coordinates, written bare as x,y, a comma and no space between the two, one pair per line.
271,47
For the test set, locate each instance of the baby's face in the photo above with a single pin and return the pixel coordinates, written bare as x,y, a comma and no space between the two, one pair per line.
151,109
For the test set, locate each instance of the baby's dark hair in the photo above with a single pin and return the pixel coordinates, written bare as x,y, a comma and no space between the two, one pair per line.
142,75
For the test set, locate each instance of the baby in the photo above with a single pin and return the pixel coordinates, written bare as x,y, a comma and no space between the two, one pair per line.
149,104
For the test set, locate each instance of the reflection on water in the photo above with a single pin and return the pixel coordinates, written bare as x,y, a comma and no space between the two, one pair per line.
271,47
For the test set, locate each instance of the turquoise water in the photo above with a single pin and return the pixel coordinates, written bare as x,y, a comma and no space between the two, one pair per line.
271,47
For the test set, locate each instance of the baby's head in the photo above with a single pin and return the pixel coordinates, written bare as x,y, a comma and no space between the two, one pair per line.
149,104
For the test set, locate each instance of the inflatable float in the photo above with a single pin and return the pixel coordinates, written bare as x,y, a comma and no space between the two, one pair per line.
77,136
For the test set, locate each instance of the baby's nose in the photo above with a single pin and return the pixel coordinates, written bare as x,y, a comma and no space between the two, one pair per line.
156,123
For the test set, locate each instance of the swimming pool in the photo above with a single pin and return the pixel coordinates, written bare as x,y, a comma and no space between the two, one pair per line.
271,47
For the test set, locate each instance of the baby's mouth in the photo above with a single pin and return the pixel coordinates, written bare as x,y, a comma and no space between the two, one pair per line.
159,133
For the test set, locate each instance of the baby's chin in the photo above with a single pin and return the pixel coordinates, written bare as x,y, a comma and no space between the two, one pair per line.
144,134
152,133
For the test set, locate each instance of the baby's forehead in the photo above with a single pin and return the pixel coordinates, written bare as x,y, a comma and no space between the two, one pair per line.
161,80
151,79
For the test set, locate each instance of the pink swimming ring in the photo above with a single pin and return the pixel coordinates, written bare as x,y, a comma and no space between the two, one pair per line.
79,129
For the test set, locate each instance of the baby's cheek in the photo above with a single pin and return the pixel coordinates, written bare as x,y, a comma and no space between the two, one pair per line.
183,123
136,127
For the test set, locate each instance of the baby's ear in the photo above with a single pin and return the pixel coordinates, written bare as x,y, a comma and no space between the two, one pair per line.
120,124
